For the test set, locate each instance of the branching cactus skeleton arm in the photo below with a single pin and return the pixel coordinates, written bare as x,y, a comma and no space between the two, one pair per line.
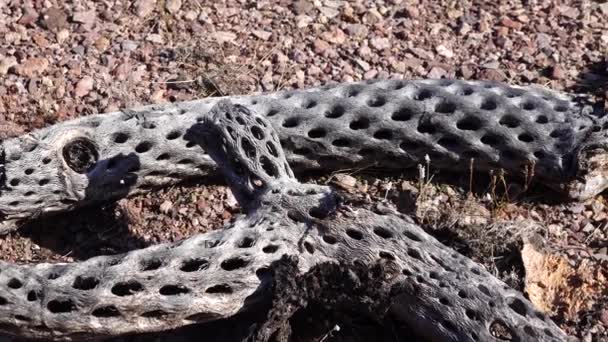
441,294
388,124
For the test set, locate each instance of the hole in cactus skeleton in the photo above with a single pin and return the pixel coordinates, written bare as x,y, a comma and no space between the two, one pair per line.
151,265
220,289
106,311
257,132
173,290
85,283
127,288
233,264
194,265
61,306
80,155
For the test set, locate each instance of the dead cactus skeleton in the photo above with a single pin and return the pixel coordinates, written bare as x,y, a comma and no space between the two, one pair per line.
389,124
441,294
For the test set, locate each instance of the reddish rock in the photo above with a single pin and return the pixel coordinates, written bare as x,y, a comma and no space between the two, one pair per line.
508,22
29,17
84,86
491,75
32,67
557,73
320,46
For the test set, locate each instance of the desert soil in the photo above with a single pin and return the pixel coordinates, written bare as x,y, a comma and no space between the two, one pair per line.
60,60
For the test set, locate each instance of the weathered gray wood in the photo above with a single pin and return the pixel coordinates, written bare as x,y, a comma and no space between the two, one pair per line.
390,124
443,295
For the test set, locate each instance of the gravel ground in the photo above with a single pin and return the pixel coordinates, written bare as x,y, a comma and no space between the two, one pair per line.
60,60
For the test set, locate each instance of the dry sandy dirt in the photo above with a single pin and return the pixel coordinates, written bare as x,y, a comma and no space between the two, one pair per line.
60,60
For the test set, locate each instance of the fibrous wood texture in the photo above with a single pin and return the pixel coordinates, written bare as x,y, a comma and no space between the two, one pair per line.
441,294
389,124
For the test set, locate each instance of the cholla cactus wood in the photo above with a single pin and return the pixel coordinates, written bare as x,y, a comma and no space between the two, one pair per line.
441,294
390,124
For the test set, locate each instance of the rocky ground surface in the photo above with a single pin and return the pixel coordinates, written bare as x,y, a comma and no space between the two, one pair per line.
64,59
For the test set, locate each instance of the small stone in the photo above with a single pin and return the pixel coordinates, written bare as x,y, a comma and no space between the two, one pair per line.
263,35
464,29
224,37
380,43
335,37
314,70
569,12
386,187
436,73
281,58
364,51
303,7
32,66
398,66
577,208
144,8
412,63
422,54
475,214
371,74
543,40
372,16
6,63
412,11
173,6
508,22
128,45
491,65
320,46
557,73
155,38
604,8
29,17
357,30
466,72
190,15
604,316
442,50
529,75
102,43
300,76
492,75
157,96
363,64
346,182
231,201
588,228
166,207
40,40
303,21
54,19
84,86
484,26
329,12
333,3
455,13
62,35
85,17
